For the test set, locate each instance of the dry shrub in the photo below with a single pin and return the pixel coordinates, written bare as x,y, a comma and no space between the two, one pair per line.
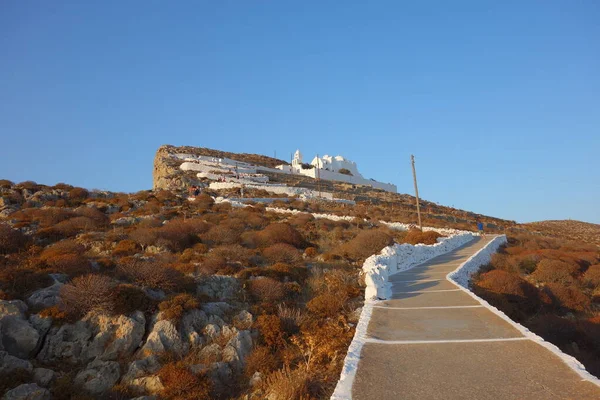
20,281
266,290
416,236
174,307
555,271
509,292
6,184
126,248
288,272
327,304
11,240
226,232
54,312
66,257
560,331
12,379
291,318
130,298
177,234
181,384
592,276
144,236
310,252
282,253
262,360
271,330
87,293
301,220
233,254
280,233
78,194
288,384
152,274
365,244
568,298
194,254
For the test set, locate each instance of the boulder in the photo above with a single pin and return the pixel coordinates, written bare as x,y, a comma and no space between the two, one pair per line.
141,368
164,337
98,376
46,297
147,384
95,336
10,363
236,350
217,308
211,353
114,337
192,323
43,376
212,331
28,391
219,287
15,308
67,343
18,337
243,320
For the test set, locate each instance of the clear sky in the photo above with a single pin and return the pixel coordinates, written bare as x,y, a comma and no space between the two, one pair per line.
498,101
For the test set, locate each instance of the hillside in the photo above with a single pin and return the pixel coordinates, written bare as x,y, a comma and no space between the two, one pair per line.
172,171
567,229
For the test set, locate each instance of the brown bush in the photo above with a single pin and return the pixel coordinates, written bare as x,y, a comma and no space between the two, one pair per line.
78,194
233,253
416,236
271,330
126,248
592,276
18,282
568,298
327,304
262,360
226,232
509,292
177,234
181,384
266,290
144,236
282,253
152,274
57,315
6,184
174,307
287,384
365,244
555,271
310,252
130,298
11,240
280,233
66,257
194,253
87,293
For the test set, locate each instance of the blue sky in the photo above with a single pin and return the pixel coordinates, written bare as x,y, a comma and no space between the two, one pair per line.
499,101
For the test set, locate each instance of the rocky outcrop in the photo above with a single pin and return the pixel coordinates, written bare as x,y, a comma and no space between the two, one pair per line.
102,336
139,377
10,364
46,297
98,376
29,391
43,376
17,336
220,288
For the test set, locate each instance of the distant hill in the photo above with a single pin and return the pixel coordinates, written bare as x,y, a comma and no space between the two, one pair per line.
567,229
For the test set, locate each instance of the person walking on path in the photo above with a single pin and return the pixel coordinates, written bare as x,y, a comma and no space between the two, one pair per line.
480,228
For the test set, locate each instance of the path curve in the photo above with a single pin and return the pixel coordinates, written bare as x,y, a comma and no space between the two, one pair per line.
432,340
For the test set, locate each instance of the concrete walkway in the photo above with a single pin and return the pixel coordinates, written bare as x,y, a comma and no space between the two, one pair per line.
433,341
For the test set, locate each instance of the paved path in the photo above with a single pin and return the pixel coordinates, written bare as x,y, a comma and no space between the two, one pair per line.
433,341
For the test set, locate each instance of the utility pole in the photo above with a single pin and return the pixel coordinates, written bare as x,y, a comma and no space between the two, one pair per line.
412,160
318,176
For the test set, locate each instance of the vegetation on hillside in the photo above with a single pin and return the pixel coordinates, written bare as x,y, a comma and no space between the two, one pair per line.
552,287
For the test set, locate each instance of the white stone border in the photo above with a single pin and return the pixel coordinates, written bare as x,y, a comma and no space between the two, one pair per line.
460,277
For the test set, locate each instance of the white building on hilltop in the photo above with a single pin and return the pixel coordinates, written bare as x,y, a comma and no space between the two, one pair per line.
332,168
